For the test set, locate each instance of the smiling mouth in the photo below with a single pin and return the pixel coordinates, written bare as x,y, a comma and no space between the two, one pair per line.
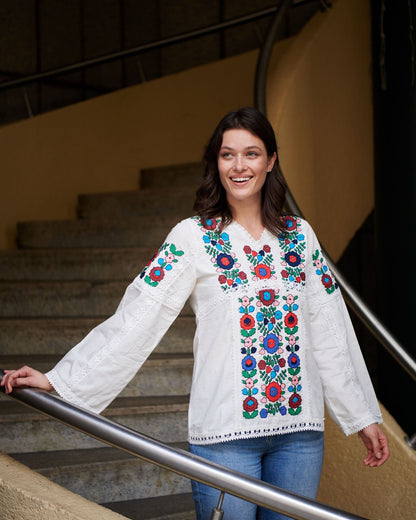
240,180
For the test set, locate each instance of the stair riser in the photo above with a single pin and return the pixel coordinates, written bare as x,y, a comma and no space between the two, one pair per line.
93,234
123,480
145,204
177,176
60,299
46,435
71,299
155,377
73,264
23,337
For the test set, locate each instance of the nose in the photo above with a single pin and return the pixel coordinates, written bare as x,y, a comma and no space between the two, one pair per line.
239,163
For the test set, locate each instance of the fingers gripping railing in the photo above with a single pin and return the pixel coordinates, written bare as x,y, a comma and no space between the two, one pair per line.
177,460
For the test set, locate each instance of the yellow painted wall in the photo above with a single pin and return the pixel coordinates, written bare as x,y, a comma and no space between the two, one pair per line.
385,493
319,98
101,144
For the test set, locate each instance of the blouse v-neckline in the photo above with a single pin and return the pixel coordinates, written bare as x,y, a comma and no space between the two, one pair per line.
248,234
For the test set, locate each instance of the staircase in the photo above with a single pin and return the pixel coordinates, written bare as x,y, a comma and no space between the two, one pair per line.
66,277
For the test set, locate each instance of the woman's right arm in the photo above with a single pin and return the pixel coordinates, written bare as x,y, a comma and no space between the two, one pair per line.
96,370
25,376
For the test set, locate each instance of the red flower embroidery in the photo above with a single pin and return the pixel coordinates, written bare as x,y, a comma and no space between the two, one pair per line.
291,320
273,391
157,274
262,271
326,280
247,322
250,404
295,401
267,296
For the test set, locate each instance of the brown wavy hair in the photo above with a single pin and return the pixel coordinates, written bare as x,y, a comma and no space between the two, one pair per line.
211,201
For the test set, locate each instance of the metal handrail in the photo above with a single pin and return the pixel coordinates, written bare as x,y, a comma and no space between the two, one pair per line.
174,459
165,42
177,460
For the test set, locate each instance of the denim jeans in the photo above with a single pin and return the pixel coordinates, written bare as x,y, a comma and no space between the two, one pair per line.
291,461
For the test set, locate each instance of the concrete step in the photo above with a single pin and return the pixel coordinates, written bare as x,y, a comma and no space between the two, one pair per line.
62,299
106,474
24,430
154,378
73,264
57,335
94,233
145,203
170,507
176,176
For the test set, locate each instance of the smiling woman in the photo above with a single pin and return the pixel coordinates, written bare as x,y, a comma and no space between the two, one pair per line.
243,165
273,340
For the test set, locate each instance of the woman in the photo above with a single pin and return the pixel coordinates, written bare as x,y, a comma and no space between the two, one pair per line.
273,338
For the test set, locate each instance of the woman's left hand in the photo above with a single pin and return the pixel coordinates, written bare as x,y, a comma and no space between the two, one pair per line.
375,441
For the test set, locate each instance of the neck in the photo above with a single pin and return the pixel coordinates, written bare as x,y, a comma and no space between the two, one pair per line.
249,216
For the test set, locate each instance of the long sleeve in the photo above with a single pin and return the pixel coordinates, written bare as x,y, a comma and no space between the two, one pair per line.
95,371
348,391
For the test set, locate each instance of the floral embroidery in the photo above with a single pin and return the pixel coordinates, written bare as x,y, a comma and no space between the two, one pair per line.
293,245
248,363
261,263
322,270
218,246
167,256
265,370
293,360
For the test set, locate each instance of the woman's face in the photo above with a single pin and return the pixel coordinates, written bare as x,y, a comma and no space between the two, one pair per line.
243,165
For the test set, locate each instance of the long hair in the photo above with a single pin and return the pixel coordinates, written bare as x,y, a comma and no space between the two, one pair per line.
211,200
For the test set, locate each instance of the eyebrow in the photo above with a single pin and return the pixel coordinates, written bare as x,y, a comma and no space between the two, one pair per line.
246,148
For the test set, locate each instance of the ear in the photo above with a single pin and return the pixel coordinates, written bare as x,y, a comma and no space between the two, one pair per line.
271,162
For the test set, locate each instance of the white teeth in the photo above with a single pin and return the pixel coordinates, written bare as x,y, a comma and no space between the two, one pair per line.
241,179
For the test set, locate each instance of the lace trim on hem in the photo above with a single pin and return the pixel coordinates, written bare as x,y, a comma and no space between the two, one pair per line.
256,432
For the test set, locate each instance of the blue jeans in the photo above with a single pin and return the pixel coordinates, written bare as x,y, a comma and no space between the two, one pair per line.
291,461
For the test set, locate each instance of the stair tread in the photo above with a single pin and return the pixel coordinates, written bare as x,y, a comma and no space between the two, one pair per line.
145,202
170,507
42,460
58,335
46,264
14,410
97,233
155,358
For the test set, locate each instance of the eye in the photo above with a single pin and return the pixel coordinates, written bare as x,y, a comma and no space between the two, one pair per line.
252,154
226,155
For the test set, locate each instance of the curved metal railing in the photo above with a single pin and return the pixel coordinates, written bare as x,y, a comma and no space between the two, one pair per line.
126,53
177,460
191,466
355,302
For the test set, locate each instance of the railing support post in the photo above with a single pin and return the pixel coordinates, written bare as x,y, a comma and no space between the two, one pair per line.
411,441
217,513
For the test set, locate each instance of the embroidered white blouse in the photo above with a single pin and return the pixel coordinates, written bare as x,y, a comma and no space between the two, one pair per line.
273,339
